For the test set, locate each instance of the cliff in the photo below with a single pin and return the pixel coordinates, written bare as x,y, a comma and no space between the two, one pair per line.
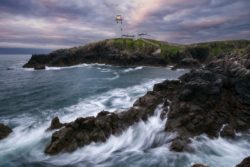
125,52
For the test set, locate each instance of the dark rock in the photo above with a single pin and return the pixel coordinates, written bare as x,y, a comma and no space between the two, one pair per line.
39,67
55,124
244,163
199,165
4,131
179,144
83,131
104,52
228,131
188,63
207,99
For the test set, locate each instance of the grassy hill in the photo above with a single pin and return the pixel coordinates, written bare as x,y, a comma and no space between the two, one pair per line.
125,51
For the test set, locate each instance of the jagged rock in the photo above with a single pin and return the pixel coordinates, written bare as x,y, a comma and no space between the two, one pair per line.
244,163
228,131
199,165
55,124
207,99
179,144
188,63
4,131
83,131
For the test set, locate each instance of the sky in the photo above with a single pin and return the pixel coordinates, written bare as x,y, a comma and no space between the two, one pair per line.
54,24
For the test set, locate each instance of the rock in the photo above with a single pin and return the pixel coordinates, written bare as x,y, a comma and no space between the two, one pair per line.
39,67
199,165
83,131
244,163
104,52
207,99
9,68
55,124
228,131
4,131
189,63
179,144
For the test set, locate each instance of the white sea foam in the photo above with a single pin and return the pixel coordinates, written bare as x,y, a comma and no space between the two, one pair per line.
133,69
146,144
116,99
143,144
69,67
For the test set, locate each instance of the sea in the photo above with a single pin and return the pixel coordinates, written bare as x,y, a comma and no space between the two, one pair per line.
30,99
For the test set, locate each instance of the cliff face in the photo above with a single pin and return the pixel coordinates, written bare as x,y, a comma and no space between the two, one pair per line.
115,52
126,52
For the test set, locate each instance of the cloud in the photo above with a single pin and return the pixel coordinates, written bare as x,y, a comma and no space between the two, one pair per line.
64,23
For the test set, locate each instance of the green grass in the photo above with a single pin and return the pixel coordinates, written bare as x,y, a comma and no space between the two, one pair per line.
172,53
219,47
131,45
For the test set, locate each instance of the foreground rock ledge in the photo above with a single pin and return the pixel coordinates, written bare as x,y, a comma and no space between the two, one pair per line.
244,163
83,131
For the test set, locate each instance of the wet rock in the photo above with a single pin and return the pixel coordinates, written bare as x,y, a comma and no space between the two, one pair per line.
55,124
83,131
207,99
244,163
4,131
179,144
228,131
188,63
39,67
199,165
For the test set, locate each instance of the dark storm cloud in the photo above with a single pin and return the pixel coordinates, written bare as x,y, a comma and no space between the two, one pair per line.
64,23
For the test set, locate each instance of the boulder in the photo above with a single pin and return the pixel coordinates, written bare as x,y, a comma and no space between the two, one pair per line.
228,131
55,124
4,131
179,144
199,165
244,163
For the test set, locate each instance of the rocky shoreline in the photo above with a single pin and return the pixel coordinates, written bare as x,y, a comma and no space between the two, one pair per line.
140,52
213,99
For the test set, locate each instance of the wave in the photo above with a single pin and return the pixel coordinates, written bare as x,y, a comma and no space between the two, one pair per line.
29,134
133,69
143,144
147,144
119,150
69,67
116,99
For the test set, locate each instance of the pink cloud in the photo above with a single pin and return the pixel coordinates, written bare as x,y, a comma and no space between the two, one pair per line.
143,8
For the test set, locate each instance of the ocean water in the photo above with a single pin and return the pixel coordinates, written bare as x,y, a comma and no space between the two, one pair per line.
30,99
